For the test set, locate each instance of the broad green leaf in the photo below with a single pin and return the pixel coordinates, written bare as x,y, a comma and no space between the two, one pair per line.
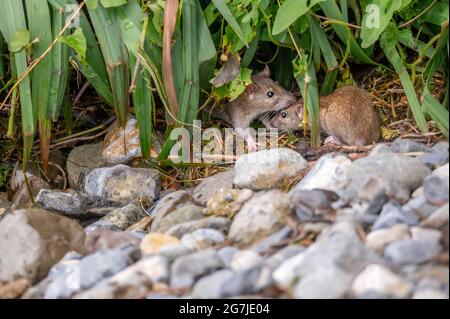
289,12
228,16
20,40
76,41
113,3
376,18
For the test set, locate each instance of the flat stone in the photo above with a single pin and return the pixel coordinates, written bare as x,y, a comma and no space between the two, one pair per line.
154,242
329,173
260,217
202,239
82,159
377,240
123,184
203,191
186,269
125,216
68,203
401,145
32,241
380,280
103,239
410,251
396,168
218,223
274,168
315,199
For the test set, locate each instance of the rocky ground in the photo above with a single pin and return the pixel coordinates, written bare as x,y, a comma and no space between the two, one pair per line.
374,227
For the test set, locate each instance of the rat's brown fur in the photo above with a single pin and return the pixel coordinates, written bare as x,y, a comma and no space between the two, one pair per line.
347,115
254,101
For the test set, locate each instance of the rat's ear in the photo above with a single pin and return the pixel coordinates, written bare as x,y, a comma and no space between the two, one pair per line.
249,89
299,108
265,72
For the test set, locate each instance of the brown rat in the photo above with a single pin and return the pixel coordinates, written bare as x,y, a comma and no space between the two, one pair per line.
262,96
347,115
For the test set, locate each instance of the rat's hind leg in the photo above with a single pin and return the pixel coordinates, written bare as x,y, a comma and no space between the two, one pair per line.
248,137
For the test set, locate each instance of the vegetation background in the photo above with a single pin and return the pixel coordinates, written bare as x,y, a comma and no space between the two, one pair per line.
162,61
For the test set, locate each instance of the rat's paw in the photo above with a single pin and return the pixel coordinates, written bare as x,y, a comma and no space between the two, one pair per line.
331,140
252,146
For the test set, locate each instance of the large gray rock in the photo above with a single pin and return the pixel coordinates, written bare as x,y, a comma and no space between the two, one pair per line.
394,214
32,241
202,239
329,173
91,270
264,214
275,168
83,158
211,286
435,186
123,184
181,215
203,191
396,168
186,269
103,239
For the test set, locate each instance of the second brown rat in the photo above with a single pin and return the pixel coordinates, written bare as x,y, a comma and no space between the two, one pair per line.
346,115
262,96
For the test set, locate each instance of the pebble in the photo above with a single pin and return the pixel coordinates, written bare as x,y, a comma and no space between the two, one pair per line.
226,254
420,233
32,241
267,244
90,270
203,191
82,159
134,282
187,213
22,199
394,214
438,219
410,251
103,239
218,223
124,217
264,214
274,168
154,242
329,173
436,187
401,145
421,207
211,286
123,184
381,281
186,269
202,239
377,240
227,202
245,259
69,203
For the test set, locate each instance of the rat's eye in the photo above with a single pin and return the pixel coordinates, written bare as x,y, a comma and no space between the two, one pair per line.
270,94
283,114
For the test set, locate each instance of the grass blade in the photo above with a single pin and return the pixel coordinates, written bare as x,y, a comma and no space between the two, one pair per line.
228,16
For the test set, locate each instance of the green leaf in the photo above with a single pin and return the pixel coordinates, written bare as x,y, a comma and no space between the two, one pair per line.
76,41
113,3
377,16
20,40
228,16
289,12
